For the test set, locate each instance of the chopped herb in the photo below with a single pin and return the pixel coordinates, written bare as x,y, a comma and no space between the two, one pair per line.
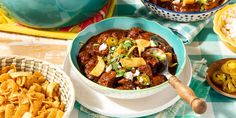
128,68
127,44
156,43
114,59
111,51
120,73
144,80
202,8
115,65
121,55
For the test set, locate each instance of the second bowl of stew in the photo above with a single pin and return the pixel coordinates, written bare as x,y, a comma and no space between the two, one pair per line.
117,57
185,10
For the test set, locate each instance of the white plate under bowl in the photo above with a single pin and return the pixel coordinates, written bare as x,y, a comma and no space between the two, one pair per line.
123,107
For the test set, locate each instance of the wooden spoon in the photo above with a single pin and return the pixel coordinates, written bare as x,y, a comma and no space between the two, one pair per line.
198,105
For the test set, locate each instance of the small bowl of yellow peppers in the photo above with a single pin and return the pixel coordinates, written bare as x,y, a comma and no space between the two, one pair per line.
221,76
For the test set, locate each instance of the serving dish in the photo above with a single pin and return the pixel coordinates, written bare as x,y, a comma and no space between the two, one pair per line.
122,107
215,66
220,22
50,72
182,16
53,13
126,23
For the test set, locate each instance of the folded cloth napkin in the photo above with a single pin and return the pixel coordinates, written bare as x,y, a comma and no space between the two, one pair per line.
7,24
180,108
185,31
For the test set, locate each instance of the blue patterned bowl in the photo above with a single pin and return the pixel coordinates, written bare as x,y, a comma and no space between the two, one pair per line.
52,13
181,16
126,23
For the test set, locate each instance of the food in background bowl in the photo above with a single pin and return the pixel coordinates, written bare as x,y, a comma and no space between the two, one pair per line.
125,23
126,59
176,10
188,5
225,26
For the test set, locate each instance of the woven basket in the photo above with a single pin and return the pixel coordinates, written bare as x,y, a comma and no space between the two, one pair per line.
50,72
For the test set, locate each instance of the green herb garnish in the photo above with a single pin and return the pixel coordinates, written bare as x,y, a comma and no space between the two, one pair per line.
127,44
120,73
115,65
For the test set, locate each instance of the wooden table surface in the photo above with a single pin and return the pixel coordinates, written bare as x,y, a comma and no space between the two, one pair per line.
51,50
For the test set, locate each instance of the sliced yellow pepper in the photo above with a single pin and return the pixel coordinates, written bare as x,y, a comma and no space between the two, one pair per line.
219,78
229,67
229,87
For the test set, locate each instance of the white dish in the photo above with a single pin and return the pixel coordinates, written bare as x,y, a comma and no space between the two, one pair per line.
126,108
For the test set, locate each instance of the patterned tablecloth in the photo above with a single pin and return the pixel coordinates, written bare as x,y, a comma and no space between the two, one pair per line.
205,45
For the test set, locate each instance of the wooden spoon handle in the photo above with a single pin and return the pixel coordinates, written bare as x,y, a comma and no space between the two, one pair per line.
199,106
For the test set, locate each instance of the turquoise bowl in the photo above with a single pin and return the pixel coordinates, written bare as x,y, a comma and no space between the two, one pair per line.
126,23
52,13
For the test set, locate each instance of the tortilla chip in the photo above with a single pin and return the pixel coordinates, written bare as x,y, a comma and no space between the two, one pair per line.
8,86
27,115
53,113
23,99
29,81
13,98
53,89
99,68
132,62
56,104
35,107
142,44
43,114
10,111
20,74
8,68
131,50
4,77
22,94
39,76
62,106
35,88
20,81
2,100
44,86
59,114
36,99
2,112
41,79
21,110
